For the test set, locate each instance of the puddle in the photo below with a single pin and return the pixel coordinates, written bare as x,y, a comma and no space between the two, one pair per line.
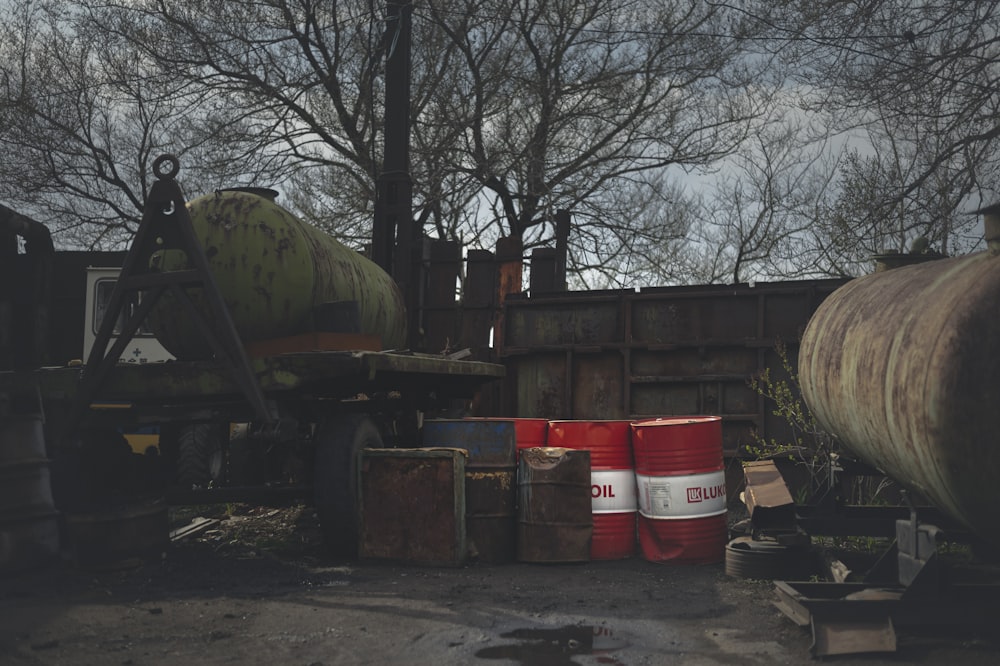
556,647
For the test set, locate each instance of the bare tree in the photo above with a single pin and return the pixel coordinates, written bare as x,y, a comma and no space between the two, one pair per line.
83,117
921,77
564,103
520,108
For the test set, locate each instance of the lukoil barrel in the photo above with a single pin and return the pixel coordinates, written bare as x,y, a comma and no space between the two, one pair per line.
554,522
490,481
612,482
681,485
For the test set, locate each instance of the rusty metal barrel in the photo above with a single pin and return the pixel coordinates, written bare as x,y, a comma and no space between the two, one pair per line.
274,271
554,519
904,367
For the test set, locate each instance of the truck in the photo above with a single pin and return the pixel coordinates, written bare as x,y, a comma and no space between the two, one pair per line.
261,381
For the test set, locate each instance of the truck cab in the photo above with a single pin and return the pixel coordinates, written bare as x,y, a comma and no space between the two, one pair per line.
144,348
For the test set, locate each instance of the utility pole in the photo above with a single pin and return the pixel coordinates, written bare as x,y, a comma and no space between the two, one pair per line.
396,242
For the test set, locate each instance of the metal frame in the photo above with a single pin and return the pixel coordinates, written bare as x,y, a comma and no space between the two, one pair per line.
909,586
166,225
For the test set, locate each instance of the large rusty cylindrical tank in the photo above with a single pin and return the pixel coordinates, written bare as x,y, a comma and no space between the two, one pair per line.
904,367
272,271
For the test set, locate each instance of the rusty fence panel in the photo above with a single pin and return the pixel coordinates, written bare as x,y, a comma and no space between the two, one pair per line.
664,351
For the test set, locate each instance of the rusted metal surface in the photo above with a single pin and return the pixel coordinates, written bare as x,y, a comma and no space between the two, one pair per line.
272,270
555,523
412,505
657,352
904,367
490,516
332,374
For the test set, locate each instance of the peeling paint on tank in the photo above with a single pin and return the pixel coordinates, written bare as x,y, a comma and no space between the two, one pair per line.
259,244
902,365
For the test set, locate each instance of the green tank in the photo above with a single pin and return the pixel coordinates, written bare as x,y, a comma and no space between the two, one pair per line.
273,271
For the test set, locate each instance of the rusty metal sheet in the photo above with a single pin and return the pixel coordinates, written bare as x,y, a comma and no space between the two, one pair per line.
600,321
658,352
541,385
687,319
412,505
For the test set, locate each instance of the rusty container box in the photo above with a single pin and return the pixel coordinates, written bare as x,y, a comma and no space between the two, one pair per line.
412,505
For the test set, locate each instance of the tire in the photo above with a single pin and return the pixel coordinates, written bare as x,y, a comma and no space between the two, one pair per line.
200,459
247,464
339,441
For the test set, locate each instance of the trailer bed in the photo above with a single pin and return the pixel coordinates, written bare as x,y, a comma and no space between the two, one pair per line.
325,375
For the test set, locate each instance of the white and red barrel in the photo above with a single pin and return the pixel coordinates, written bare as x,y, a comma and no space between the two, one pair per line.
681,486
612,490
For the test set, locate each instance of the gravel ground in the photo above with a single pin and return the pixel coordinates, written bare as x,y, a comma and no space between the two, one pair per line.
257,588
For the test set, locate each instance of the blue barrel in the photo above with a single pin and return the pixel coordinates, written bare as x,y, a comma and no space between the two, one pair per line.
490,481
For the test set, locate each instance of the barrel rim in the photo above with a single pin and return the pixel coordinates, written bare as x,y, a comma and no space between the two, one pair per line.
677,420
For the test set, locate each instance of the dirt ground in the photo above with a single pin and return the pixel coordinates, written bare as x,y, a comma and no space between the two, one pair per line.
257,588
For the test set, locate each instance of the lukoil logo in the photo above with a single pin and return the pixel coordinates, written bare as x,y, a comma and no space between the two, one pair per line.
704,493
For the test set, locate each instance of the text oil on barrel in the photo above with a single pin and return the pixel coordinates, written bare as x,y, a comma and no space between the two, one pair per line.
681,487
554,522
612,482
490,481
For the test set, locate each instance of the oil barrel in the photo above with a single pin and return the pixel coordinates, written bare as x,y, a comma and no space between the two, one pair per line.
29,522
681,483
554,519
612,482
490,481
531,433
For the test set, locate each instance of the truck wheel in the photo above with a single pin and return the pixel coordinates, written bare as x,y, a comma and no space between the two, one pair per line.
339,441
199,455
247,466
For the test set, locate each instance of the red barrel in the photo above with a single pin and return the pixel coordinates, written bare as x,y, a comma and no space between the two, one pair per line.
612,489
681,486
530,433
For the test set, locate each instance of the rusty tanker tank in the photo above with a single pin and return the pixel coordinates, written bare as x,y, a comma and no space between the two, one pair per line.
273,271
904,367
